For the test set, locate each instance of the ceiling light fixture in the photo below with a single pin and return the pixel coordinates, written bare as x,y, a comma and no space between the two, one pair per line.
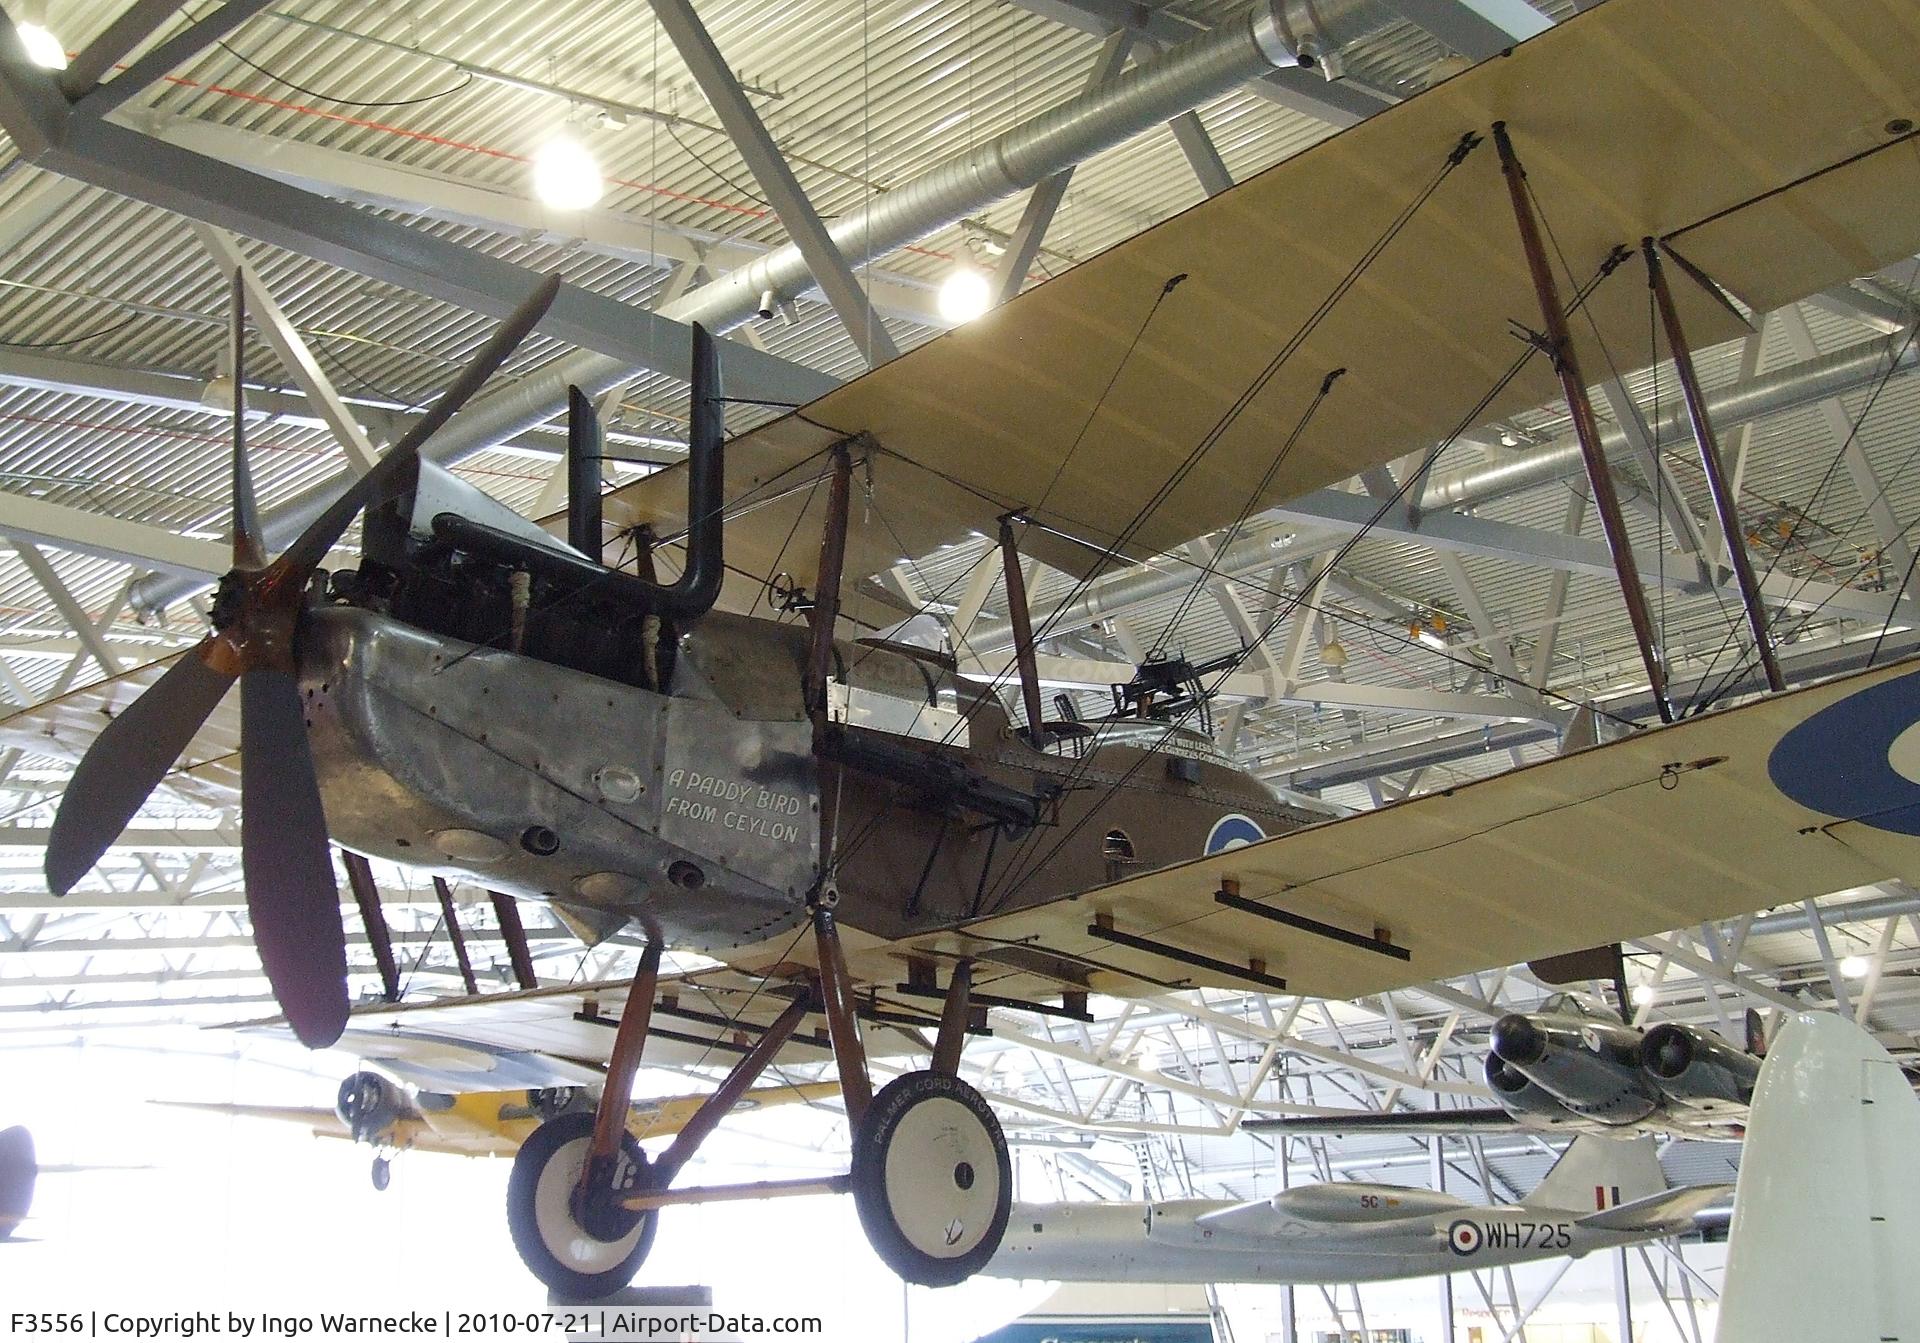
964,295
1642,995
43,48
566,176
1853,967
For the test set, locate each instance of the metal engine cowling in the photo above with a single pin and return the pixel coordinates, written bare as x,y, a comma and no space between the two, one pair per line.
1697,1069
368,1104
1593,1069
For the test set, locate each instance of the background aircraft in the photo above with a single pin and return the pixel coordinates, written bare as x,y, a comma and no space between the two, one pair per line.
17,1172
1601,1194
1826,1218
391,1118
1575,1066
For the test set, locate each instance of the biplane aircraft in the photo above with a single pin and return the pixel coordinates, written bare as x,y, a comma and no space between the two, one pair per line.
855,829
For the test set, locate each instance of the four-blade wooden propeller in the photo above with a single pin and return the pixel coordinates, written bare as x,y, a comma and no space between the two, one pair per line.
292,899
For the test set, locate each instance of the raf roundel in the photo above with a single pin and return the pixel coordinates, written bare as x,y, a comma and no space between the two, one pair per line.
1859,758
1233,831
1464,1238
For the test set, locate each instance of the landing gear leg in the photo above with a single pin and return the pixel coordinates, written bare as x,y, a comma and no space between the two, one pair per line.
564,1196
932,1180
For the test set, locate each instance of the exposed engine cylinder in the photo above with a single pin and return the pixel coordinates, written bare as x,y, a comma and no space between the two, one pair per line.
368,1104
1698,1069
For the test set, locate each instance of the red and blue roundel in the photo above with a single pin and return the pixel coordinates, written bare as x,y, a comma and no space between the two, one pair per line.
1464,1238
1233,831
1858,759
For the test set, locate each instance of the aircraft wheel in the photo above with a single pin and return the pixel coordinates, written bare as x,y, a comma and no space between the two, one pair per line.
931,1178
381,1174
545,1222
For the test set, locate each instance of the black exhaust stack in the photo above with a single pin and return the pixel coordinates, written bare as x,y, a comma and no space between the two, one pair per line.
698,587
585,447
688,597
696,590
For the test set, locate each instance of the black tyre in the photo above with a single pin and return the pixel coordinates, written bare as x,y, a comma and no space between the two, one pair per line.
381,1174
563,1254
931,1178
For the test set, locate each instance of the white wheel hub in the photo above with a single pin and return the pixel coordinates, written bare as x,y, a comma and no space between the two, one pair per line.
942,1176
564,1238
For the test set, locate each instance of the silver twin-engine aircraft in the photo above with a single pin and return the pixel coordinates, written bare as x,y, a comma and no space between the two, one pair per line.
1603,1193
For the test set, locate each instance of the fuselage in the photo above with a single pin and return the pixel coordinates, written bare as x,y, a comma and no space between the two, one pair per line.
703,809
1165,1242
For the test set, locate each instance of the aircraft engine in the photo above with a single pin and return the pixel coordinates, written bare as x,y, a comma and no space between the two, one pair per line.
1593,1069
1697,1069
369,1105
1521,1095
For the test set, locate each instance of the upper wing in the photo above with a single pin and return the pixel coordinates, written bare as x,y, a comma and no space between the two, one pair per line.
1666,828
1701,129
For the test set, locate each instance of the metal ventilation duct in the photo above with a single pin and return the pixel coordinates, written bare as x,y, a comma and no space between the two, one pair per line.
1176,81
1273,35
1785,389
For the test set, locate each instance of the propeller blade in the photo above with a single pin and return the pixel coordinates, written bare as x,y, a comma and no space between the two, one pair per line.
291,894
248,550
126,762
312,545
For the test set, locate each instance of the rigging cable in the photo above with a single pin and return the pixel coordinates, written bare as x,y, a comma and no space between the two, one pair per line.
1015,877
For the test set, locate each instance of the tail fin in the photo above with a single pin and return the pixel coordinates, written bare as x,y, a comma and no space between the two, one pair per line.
17,1170
1826,1220
1595,1173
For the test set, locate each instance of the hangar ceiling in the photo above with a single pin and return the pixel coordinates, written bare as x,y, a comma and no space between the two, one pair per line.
1432,654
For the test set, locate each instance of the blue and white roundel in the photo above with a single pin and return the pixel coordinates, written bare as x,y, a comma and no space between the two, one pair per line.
1233,831
1858,759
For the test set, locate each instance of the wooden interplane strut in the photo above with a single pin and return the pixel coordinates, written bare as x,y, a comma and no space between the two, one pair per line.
1566,363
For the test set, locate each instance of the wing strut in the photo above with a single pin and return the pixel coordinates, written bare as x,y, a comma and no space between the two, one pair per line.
1022,623
826,606
1724,506
1566,364
367,895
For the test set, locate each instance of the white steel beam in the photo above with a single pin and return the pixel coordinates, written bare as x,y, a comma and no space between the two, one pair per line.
63,598
770,169
360,180
1190,133
117,41
96,100
1477,29
53,136
1336,102
1446,530
31,520
1044,200
271,321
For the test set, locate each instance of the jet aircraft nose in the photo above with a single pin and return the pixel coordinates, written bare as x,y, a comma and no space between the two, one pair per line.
1517,1040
